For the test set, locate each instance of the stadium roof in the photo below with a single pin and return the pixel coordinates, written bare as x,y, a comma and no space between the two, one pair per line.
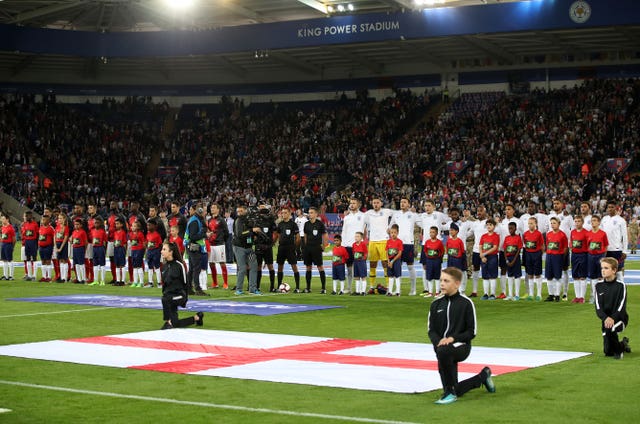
605,45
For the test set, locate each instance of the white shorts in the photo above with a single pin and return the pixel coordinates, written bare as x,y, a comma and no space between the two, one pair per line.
217,254
110,246
89,252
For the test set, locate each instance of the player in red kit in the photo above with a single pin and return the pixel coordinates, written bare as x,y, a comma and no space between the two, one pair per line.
533,244
360,253
394,254
154,244
217,235
46,234
91,219
98,240
8,241
137,243
512,246
579,244
29,233
177,219
456,255
338,264
174,237
557,247
114,214
489,245
431,259
136,216
598,245
62,247
120,250
79,241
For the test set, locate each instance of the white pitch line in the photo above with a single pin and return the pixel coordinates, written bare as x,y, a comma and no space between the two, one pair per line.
56,312
4,410
206,404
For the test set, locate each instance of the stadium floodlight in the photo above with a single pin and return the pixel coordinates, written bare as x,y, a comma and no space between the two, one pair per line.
180,4
350,7
340,8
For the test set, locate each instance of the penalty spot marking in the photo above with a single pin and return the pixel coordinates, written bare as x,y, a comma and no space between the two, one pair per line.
204,404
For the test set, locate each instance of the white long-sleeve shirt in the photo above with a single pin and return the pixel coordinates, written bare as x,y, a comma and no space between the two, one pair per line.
428,220
378,223
406,222
616,229
351,224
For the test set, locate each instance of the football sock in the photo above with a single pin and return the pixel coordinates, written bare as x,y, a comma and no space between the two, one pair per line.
463,284
474,278
225,274
412,277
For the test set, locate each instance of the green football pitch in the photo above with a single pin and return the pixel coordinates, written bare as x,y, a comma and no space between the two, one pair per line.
592,389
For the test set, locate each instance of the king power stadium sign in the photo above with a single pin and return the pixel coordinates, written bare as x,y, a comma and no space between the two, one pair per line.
348,29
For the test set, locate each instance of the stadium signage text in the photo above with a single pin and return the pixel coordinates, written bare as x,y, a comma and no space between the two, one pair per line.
377,26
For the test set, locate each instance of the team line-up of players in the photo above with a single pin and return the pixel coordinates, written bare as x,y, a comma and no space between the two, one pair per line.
498,248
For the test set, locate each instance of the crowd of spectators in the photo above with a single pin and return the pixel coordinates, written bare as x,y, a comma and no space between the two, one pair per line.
540,146
507,148
260,151
85,152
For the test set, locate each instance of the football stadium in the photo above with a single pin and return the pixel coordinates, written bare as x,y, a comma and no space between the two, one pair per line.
308,211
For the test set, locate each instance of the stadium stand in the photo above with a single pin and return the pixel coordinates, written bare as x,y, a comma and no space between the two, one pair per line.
486,148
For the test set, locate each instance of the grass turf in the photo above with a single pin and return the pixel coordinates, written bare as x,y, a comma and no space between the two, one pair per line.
591,389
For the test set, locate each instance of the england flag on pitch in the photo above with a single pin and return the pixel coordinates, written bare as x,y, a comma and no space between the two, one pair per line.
353,364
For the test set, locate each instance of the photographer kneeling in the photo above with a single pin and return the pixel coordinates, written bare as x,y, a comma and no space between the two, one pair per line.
174,289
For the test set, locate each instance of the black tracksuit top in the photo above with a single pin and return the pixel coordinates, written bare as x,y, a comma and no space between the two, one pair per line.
452,316
611,301
174,278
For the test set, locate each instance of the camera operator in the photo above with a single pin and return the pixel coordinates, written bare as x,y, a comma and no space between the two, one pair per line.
196,249
244,234
264,244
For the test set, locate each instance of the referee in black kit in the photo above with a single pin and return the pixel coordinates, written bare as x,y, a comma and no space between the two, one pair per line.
315,241
288,242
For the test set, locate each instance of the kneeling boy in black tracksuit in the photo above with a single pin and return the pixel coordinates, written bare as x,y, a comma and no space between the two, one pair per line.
452,325
611,308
